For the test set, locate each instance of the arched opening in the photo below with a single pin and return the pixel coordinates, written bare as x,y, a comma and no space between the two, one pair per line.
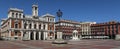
37,36
42,36
25,24
34,26
30,26
16,25
19,15
32,36
56,35
16,15
51,34
12,14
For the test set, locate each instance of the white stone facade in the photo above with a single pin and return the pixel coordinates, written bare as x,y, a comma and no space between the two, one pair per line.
19,26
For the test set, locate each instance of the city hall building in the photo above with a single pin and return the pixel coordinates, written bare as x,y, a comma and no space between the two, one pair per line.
19,26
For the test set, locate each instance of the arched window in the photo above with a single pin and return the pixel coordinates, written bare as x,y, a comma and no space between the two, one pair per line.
16,15
40,26
43,26
16,33
25,24
12,14
30,26
50,27
19,15
34,26
16,25
23,16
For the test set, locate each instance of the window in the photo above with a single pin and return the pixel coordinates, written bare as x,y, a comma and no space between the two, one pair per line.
12,14
50,20
15,33
35,8
44,27
25,24
34,26
19,15
30,26
16,25
50,28
23,16
40,26
16,15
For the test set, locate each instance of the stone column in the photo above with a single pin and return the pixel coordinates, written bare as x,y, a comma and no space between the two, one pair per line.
41,25
10,23
14,14
29,35
32,25
34,35
46,26
27,27
39,35
9,35
18,15
44,35
21,34
37,24
59,35
22,24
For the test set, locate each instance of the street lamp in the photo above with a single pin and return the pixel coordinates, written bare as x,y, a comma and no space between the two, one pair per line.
59,39
59,14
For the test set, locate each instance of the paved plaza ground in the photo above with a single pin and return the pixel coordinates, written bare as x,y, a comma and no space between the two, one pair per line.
82,44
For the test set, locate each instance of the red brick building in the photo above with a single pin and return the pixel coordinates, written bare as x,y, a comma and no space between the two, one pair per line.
105,30
67,27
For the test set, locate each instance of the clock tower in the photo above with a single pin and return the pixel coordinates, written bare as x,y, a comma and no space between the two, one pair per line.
35,11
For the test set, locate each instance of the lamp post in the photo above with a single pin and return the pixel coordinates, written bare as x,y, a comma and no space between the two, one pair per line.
59,14
59,39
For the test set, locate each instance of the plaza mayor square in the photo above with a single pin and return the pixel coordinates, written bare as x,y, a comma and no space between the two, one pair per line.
59,24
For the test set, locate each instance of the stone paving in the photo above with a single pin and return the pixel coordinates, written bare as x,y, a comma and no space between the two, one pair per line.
82,44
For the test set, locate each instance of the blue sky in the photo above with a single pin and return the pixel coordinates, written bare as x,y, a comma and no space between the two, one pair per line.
77,10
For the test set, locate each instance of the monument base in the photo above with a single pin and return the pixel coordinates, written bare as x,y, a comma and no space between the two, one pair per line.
75,39
117,37
59,41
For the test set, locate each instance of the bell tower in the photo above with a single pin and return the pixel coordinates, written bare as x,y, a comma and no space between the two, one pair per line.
35,11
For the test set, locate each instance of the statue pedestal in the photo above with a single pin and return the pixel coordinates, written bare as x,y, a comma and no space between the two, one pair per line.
117,37
59,35
59,39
